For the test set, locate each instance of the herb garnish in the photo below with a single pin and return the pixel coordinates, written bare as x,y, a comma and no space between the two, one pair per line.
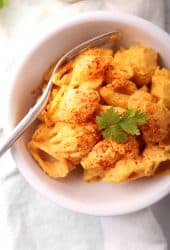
117,127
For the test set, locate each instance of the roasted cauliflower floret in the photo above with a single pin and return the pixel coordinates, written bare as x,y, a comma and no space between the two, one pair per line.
100,52
103,108
106,152
156,128
141,99
117,93
124,170
143,166
102,155
88,71
161,85
93,174
55,167
114,72
63,75
49,113
71,141
71,105
140,59
77,105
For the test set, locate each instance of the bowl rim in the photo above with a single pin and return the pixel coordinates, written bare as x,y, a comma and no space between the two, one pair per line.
78,19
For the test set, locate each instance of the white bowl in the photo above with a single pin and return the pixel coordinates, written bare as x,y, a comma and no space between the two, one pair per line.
100,198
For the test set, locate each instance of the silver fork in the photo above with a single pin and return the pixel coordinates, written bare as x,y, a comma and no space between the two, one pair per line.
32,114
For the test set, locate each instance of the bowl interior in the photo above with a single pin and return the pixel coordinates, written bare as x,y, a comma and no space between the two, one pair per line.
99,198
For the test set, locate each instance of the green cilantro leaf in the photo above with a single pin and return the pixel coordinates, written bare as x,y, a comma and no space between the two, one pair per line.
118,127
131,120
129,126
129,113
116,133
107,133
119,135
141,117
108,118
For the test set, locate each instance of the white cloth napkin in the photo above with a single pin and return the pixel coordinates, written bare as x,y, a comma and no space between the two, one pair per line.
137,231
27,220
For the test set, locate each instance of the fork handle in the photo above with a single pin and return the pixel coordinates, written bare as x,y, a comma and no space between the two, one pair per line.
26,121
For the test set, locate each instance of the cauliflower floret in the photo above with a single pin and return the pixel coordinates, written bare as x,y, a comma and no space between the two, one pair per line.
55,167
103,108
49,113
78,106
71,141
63,75
106,152
124,170
102,155
117,93
93,174
145,165
156,128
70,105
161,85
89,68
114,72
86,71
141,60
140,99
101,52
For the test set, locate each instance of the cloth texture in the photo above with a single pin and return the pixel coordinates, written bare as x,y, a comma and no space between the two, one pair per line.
28,221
